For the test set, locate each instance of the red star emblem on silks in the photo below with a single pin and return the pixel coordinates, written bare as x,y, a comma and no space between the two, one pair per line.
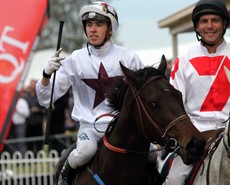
101,85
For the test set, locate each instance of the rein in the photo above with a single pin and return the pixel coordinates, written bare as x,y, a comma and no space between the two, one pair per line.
125,151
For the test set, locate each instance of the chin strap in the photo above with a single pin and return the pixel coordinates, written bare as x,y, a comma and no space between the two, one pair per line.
95,46
202,41
107,37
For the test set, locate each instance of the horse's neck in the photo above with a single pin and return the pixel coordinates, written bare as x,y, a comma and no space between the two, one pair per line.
215,168
210,136
125,134
227,138
127,131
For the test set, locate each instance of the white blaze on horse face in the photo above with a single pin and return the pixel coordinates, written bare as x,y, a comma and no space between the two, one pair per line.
227,73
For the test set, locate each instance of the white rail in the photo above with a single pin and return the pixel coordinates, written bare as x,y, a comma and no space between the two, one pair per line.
29,169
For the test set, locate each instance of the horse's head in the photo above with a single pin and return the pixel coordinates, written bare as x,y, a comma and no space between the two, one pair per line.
161,113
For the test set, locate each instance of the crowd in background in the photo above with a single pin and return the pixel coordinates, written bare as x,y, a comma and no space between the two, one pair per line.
29,120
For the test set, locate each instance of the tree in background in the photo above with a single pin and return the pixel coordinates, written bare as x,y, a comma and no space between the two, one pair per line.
73,36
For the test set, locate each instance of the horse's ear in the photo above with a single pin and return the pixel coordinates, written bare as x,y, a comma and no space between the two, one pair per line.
128,73
163,65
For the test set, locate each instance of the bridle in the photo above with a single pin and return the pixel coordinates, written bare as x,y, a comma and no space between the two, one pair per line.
162,132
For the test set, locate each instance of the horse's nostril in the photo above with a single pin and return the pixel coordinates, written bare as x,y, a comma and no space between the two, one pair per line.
196,146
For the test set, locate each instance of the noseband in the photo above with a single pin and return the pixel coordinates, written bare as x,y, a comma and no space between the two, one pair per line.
162,132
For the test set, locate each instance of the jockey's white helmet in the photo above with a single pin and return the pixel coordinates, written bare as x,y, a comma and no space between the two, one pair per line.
100,11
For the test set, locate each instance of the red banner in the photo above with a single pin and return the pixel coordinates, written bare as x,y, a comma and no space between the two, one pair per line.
21,23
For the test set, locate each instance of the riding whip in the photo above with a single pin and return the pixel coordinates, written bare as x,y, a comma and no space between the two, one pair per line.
49,116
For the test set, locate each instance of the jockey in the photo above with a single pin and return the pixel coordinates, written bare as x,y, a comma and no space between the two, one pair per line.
201,76
90,72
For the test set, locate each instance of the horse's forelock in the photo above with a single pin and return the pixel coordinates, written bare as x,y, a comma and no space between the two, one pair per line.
143,74
117,92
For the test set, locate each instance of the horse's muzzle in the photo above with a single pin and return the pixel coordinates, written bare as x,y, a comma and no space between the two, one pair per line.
193,151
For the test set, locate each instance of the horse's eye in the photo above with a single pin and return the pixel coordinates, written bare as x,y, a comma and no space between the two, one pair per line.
152,104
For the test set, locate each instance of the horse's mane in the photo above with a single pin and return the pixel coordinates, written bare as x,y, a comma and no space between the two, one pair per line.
117,92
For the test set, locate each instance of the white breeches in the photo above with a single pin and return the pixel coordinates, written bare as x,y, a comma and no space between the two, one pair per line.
86,145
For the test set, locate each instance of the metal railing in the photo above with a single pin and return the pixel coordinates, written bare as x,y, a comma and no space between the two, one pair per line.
18,169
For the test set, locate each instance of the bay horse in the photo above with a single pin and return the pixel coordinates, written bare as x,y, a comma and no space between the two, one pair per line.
150,111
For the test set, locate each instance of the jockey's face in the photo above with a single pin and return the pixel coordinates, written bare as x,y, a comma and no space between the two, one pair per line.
96,31
211,28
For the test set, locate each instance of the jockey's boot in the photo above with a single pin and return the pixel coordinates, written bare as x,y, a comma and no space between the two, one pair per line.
66,175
